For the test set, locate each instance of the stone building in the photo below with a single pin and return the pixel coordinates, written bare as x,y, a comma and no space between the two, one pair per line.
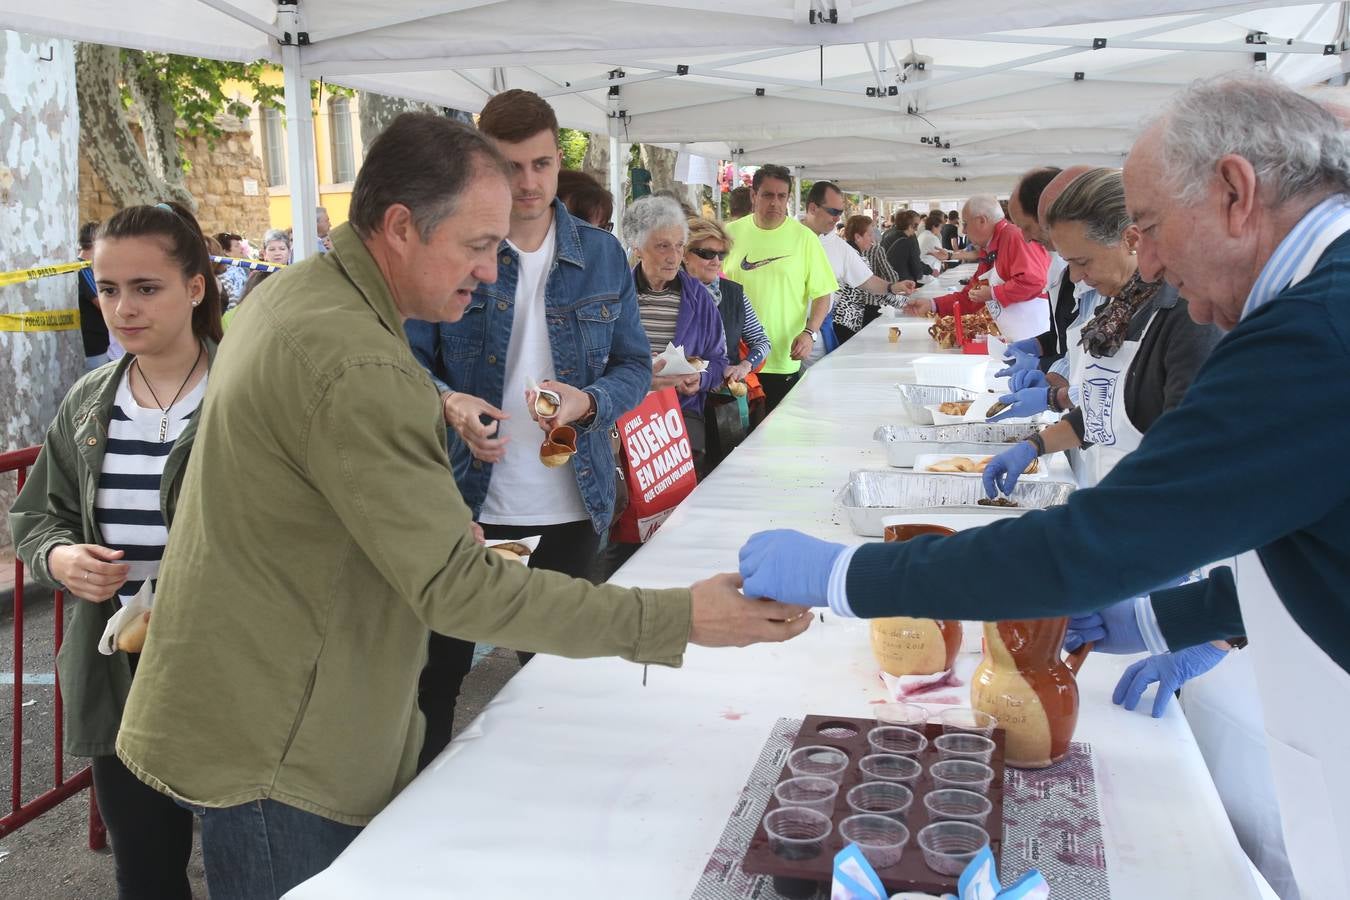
227,181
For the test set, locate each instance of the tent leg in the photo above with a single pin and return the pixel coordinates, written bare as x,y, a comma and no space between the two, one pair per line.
300,166
616,183
796,192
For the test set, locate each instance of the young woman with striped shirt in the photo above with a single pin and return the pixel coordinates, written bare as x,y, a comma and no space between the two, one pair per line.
93,517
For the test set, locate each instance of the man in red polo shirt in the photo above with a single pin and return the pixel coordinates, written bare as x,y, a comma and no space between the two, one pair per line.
1010,280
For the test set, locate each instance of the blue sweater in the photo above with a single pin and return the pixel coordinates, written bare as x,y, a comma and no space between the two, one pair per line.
1253,458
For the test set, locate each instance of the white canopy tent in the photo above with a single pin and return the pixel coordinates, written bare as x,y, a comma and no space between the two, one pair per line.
896,97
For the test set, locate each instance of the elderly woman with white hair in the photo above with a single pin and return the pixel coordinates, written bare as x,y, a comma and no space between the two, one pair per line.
1009,281
674,306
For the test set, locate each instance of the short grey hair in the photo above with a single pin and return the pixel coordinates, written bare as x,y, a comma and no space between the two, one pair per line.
652,213
275,234
1096,199
1296,145
986,205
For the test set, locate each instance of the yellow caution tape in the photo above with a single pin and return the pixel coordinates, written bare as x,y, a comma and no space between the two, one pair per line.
43,320
19,276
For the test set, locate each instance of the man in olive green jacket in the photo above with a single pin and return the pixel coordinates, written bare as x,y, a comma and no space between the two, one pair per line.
320,535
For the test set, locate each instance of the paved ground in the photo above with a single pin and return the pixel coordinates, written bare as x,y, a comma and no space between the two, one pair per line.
49,859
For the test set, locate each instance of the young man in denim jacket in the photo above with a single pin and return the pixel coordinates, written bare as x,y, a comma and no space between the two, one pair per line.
563,312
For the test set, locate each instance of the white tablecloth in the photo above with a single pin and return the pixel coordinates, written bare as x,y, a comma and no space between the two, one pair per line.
577,781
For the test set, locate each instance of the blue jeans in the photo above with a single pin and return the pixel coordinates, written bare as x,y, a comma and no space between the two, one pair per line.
262,849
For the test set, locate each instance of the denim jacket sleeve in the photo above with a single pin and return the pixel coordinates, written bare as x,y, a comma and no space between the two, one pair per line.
424,338
628,375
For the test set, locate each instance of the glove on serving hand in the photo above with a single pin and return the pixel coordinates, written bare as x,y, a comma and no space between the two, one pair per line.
1027,378
1002,472
1020,356
788,566
1023,404
1169,670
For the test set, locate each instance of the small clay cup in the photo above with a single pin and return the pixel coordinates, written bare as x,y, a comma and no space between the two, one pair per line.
559,447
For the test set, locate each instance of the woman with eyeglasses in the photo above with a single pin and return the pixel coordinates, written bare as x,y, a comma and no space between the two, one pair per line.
855,307
674,306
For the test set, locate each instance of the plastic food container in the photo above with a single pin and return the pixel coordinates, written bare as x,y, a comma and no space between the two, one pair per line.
956,369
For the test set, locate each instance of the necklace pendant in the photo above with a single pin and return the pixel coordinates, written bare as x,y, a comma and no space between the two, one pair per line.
163,428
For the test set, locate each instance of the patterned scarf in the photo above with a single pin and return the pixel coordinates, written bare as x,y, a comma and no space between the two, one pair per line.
1103,335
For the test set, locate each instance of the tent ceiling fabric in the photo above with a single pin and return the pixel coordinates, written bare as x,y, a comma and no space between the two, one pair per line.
762,84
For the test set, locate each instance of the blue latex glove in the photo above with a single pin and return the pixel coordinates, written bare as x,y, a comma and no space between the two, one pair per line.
1004,470
1111,630
788,566
1169,670
1019,360
1024,404
1027,378
1027,345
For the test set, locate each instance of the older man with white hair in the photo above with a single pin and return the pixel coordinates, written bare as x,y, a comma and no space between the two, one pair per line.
1241,191
1009,281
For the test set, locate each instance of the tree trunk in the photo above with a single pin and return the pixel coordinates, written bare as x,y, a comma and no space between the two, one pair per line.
106,137
661,163
38,213
596,161
153,106
378,110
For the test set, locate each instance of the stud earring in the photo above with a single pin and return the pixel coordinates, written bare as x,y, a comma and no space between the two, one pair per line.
195,302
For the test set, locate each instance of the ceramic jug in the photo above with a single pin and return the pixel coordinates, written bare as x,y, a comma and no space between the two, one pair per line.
905,646
1023,682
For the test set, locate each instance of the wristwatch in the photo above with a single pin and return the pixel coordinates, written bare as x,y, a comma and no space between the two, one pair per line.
814,335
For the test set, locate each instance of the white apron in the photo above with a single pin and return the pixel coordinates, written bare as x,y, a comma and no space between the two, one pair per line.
1020,320
1101,386
1305,697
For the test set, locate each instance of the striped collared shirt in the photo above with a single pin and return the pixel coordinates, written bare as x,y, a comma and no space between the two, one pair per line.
1279,270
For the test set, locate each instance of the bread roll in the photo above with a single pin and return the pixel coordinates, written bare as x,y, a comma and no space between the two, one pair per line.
132,636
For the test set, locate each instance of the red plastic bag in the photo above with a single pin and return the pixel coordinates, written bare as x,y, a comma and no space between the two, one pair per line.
658,465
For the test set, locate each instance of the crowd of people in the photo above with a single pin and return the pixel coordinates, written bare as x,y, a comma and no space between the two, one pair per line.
371,420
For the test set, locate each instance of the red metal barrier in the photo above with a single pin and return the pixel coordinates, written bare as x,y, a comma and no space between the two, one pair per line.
22,813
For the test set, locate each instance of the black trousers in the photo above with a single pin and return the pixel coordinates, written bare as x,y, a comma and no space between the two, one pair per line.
151,835
776,388
569,548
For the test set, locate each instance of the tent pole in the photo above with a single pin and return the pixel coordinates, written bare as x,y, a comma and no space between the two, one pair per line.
797,191
300,154
616,177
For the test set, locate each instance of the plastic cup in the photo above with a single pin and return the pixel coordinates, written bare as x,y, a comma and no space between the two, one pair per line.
880,838
797,833
952,804
889,767
948,847
825,762
962,774
808,792
907,715
959,745
882,798
896,739
969,721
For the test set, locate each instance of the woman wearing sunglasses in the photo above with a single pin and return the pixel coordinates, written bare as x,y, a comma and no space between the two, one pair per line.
703,257
855,307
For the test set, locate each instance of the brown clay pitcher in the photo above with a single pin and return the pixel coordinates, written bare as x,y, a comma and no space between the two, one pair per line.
905,646
1023,682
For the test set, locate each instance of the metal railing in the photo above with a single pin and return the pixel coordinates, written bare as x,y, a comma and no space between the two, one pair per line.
62,789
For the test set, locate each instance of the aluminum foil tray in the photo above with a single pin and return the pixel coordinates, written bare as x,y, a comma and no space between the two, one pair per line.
905,442
871,496
916,396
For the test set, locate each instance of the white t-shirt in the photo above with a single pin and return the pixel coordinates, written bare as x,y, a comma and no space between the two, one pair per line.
522,490
848,265
928,242
849,268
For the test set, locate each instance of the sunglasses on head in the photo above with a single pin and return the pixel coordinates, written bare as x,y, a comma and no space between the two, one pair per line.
706,253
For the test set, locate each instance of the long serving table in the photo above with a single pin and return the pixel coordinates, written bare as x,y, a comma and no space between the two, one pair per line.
579,782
